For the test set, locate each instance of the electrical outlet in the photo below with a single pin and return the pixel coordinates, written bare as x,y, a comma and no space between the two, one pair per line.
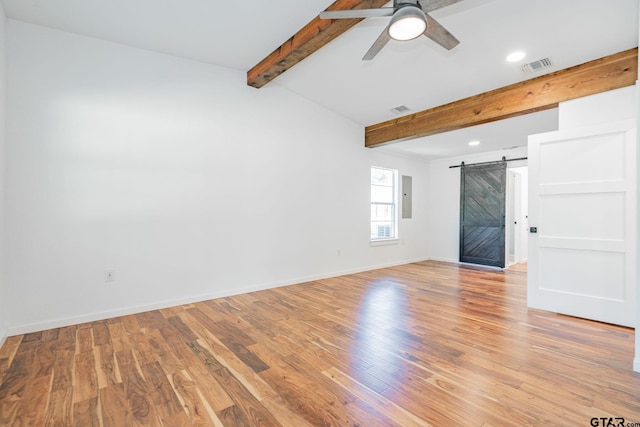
109,275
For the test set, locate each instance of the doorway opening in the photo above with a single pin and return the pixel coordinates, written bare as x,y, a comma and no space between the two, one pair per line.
516,239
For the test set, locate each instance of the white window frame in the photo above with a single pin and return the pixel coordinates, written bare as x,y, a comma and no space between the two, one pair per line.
393,238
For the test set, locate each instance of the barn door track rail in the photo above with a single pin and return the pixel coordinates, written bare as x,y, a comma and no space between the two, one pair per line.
504,159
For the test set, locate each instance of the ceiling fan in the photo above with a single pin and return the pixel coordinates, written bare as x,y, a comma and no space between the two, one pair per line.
409,20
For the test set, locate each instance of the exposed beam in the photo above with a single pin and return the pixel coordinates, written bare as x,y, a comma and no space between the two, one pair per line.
309,39
542,93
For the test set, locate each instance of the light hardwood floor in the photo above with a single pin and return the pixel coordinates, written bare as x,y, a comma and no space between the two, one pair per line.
422,344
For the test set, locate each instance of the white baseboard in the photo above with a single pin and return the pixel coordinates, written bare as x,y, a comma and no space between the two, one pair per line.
636,363
452,260
92,317
3,337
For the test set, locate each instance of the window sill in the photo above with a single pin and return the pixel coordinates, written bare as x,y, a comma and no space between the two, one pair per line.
384,242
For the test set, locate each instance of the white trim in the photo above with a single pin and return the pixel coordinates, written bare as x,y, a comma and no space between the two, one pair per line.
68,321
636,364
384,242
395,186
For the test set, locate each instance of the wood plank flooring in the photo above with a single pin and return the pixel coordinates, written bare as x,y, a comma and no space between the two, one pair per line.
422,344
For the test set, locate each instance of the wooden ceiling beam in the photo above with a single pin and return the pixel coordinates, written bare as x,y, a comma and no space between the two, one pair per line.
541,93
313,36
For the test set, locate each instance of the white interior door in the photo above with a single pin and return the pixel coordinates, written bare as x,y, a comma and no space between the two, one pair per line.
582,202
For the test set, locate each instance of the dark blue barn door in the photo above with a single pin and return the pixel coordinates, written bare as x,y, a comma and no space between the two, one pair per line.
482,214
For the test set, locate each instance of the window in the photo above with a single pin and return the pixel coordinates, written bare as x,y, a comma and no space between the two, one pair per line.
384,206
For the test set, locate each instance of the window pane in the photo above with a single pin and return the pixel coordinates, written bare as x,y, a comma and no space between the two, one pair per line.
383,203
381,212
382,230
381,177
381,194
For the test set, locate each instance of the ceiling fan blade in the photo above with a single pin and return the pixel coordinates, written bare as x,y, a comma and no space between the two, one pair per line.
439,34
431,5
356,13
377,46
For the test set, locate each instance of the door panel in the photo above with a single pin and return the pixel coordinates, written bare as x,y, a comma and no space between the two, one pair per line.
596,267
582,201
482,214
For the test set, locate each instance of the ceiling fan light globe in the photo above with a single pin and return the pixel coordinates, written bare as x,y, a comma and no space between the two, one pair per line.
407,23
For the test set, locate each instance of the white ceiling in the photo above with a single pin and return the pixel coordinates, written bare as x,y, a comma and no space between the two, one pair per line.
418,74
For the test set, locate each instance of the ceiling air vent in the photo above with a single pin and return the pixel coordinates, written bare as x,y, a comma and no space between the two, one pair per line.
536,66
400,109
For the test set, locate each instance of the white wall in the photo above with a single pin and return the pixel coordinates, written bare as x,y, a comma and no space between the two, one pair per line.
180,178
444,200
3,85
636,360
605,107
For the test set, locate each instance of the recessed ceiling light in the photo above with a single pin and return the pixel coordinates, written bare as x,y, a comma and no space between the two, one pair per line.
474,143
515,56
